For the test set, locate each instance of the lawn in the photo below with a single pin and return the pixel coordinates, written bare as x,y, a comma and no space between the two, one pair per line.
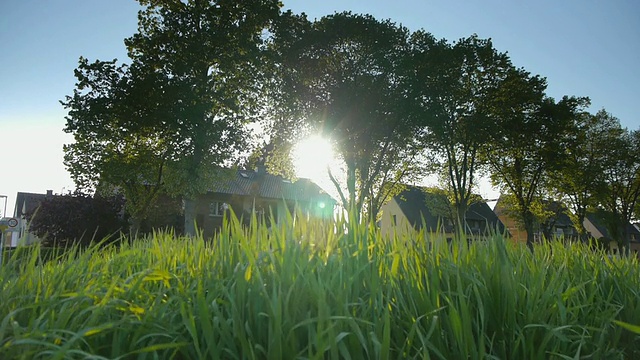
319,291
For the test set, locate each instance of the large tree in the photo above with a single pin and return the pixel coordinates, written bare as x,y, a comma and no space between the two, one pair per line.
622,179
581,179
117,118
344,76
449,86
205,59
528,141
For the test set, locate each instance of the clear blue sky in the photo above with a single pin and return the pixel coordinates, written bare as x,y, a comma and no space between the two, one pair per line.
583,47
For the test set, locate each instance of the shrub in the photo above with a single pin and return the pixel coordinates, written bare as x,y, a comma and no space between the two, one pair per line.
76,218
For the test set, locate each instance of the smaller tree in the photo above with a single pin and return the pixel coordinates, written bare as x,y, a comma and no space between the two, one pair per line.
449,85
525,146
580,180
121,137
622,177
344,76
77,219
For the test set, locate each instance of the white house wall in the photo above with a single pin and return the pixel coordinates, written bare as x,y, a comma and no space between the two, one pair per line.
401,226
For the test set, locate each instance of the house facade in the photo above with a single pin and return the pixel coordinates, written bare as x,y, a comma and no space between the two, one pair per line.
26,202
560,226
597,225
556,225
247,192
418,208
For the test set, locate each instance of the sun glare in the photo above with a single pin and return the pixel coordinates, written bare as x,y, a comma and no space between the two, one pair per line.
311,157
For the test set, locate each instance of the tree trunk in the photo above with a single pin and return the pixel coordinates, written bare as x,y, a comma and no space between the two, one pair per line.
189,217
134,226
461,221
351,188
626,247
528,219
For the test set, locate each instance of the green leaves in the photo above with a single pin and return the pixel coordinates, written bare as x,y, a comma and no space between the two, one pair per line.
63,220
633,328
343,75
178,111
531,134
450,88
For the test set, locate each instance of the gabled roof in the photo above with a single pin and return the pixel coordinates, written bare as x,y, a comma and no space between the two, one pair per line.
27,202
561,219
598,220
415,201
481,211
264,185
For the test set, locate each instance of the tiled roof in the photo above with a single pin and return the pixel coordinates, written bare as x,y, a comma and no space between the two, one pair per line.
414,201
262,184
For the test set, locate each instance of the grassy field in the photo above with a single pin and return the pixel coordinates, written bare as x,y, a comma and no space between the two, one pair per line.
310,291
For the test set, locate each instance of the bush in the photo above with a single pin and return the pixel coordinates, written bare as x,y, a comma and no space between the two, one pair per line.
79,218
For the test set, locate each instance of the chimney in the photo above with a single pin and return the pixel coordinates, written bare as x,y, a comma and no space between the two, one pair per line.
49,193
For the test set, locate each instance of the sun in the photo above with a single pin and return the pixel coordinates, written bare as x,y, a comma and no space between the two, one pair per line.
311,156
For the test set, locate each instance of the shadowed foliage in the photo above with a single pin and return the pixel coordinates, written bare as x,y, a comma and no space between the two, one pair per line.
77,218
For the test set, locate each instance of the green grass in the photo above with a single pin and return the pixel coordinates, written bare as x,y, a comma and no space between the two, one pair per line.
309,291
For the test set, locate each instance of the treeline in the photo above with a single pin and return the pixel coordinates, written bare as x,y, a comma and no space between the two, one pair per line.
398,105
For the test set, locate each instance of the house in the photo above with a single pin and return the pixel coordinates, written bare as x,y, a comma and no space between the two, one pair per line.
247,192
26,202
418,208
557,224
597,225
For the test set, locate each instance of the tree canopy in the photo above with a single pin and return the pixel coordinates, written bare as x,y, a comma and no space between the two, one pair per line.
622,183
395,104
179,110
531,132
344,77
449,86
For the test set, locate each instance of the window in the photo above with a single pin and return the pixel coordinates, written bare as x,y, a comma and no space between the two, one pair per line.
394,220
217,208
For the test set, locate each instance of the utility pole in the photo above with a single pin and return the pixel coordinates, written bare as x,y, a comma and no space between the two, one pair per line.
6,199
